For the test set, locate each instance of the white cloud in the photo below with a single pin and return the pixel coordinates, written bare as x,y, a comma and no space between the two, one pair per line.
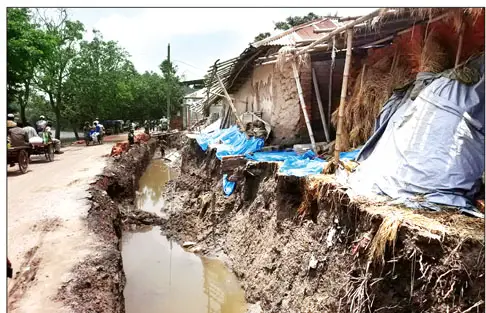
145,32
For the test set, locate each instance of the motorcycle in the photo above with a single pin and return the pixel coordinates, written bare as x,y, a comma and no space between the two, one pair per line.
89,137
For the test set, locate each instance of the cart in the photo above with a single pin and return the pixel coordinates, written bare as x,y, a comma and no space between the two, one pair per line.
19,155
46,149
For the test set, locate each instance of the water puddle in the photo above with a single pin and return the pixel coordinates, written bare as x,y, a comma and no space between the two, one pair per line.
162,276
152,185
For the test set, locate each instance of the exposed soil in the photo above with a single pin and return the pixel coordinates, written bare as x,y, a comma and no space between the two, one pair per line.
96,283
299,245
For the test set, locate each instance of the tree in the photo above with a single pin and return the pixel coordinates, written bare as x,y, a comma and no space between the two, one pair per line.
54,70
262,36
292,21
97,82
26,47
172,86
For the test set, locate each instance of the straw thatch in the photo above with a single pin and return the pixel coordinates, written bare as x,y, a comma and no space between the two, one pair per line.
382,72
425,48
386,234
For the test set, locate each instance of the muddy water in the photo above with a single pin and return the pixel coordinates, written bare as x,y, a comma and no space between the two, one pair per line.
162,276
151,187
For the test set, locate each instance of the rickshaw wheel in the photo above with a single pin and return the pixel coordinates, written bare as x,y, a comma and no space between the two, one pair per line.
23,161
50,153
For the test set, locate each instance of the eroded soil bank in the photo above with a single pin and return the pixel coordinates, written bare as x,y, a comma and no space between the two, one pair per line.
97,283
303,246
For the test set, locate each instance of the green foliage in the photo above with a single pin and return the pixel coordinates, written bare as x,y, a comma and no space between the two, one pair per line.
27,46
292,21
262,36
52,71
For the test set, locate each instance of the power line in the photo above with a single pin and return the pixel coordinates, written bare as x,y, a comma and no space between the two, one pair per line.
189,65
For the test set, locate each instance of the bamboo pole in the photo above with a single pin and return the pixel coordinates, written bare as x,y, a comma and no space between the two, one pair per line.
340,29
238,120
344,90
331,70
459,44
319,103
302,105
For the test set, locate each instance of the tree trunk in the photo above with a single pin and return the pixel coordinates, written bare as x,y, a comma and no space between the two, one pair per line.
58,122
24,102
75,130
22,113
57,111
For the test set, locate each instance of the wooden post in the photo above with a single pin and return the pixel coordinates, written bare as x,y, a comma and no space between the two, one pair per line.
344,90
238,120
319,102
302,105
459,44
331,70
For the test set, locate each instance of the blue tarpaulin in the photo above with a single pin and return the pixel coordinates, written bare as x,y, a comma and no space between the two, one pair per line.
302,165
271,156
228,186
232,142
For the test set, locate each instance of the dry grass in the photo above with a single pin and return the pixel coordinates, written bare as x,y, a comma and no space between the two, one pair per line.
386,234
383,71
435,56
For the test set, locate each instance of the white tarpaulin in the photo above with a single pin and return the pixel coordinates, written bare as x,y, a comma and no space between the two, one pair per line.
427,150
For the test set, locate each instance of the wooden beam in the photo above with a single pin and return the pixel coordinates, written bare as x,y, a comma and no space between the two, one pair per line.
302,105
238,120
340,30
319,103
460,40
347,64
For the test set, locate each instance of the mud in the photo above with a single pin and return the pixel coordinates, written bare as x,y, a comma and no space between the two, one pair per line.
96,284
297,248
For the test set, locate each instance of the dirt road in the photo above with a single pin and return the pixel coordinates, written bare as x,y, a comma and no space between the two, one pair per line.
47,234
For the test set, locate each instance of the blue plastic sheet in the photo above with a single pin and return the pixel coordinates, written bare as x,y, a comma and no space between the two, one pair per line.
228,186
271,156
302,165
233,142
351,155
205,139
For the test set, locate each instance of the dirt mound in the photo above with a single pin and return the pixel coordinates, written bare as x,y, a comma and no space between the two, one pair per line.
96,284
337,254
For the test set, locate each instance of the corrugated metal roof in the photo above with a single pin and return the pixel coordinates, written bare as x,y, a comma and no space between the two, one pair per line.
296,34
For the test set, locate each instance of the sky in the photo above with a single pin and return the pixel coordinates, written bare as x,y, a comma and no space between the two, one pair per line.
197,36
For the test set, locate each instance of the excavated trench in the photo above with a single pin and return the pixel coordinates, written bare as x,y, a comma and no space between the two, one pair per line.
294,244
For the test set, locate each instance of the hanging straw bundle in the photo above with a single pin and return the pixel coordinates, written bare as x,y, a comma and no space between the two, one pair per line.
383,71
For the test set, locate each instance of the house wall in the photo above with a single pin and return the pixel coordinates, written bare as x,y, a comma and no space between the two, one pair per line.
322,69
275,94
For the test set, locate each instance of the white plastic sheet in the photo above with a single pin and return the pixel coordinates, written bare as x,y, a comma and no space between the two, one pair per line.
428,150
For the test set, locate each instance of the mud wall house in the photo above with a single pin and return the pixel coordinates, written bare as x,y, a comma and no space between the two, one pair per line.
256,84
259,81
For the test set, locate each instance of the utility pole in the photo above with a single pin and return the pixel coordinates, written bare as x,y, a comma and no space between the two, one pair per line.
169,79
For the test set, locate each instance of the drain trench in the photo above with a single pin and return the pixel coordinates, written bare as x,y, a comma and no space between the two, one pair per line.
160,274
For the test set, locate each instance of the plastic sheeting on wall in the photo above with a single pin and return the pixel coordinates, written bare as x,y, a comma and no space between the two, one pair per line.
432,146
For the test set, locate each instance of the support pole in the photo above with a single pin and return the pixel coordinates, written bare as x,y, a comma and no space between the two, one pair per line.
169,83
459,44
347,64
319,102
302,105
238,120
331,70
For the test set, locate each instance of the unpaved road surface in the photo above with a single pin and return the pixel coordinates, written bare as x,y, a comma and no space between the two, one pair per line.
47,233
